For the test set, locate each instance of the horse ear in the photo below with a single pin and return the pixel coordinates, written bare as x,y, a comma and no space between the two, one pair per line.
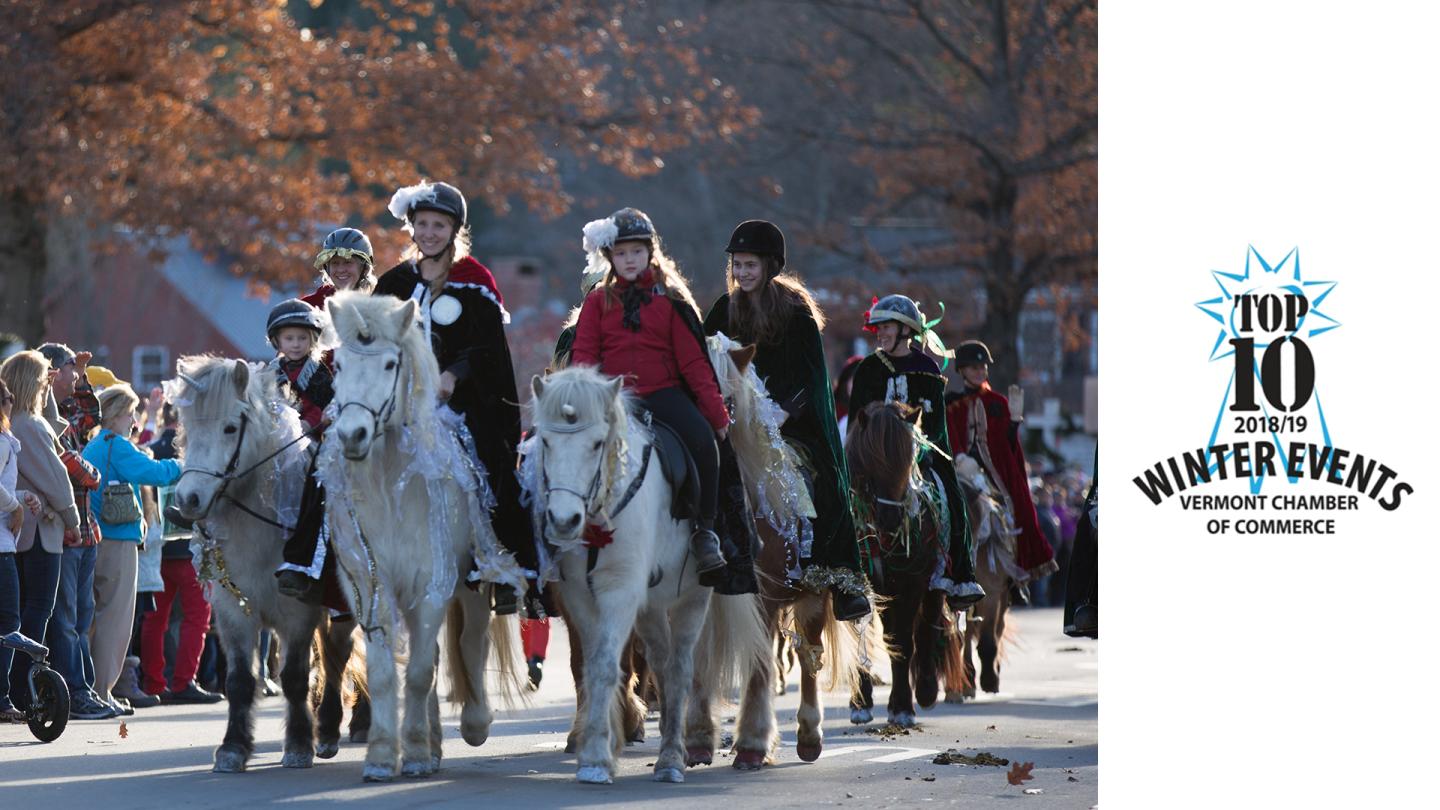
742,357
405,315
614,390
241,377
537,384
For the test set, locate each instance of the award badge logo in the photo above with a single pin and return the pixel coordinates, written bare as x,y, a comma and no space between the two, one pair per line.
1270,438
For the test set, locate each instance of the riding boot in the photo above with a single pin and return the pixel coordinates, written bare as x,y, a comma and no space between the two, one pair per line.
739,542
705,547
848,606
298,586
506,602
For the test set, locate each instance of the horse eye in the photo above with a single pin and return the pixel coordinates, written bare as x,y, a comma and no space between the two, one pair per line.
545,443
597,445
390,366
229,429
337,366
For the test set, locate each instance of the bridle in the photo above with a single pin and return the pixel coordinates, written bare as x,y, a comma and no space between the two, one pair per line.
229,474
381,416
589,494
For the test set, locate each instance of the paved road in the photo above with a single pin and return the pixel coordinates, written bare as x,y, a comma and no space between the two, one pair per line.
1045,714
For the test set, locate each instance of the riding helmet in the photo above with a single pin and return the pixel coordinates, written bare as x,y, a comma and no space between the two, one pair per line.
759,237
633,225
898,308
293,312
427,196
346,243
972,353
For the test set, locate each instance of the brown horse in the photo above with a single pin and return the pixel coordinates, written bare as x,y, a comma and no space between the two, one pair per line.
789,611
900,513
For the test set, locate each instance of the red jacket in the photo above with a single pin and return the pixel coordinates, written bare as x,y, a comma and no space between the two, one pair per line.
317,299
1033,552
663,354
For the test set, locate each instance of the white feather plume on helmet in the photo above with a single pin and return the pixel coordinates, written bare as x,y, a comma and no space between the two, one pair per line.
405,198
599,234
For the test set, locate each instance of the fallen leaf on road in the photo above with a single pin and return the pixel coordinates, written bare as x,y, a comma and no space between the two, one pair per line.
124,732
1020,773
1071,779
953,757
990,728
927,779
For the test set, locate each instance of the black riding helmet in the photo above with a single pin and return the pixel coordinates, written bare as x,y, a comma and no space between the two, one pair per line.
633,225
426,196
759,237
293,312
973,352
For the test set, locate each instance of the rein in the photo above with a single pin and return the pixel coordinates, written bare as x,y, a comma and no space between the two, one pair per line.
230,475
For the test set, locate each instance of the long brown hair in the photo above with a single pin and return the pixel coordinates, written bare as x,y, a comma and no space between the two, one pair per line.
761,316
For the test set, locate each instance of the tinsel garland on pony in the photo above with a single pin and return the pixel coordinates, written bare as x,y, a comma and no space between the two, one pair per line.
793,370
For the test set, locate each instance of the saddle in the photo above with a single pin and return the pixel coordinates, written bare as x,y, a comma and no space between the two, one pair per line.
679,469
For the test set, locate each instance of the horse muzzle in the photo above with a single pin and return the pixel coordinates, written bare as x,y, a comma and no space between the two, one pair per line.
192,502
563,526
355,441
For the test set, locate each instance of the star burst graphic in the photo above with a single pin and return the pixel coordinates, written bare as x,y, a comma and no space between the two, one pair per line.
1261,276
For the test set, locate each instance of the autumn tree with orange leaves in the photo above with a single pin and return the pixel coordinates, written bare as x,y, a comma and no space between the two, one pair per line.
233,123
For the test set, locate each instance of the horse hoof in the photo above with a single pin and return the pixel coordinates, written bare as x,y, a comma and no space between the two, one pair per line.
360,736
328,749
298,759
808,752
570,745
861,717
229,762
377,773
954,698
593,775
749,760
414,769
698,756
903,719
636,736
474,736
672,775
990,683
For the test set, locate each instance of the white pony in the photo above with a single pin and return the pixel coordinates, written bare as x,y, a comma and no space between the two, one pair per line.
245,462
596,482
407,509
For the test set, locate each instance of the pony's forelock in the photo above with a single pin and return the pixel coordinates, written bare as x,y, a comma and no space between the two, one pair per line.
358,319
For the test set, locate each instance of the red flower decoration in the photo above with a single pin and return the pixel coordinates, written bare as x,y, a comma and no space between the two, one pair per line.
597,536
865,321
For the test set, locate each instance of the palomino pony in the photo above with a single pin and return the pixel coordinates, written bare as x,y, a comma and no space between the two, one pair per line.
407,512
902,516
245,462
623,562
776,492
996,569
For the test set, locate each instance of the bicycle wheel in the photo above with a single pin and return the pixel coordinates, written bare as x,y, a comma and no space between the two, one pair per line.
50,711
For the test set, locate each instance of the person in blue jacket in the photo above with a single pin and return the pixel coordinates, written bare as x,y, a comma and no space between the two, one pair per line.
117,459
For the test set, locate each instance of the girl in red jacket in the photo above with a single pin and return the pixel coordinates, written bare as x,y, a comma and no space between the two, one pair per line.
641,324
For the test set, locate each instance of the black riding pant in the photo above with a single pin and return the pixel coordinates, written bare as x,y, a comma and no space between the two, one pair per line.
675,408
301,549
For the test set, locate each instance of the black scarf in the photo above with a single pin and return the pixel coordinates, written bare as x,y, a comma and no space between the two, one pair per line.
634,297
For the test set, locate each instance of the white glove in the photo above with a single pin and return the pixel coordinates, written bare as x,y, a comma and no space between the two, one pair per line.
1016,395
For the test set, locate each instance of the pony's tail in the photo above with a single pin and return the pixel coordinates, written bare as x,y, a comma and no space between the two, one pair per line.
952,651
503,650
735,641
840,666
325,659
505,653
874,649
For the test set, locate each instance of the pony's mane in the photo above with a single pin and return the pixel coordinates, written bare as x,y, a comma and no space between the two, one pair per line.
579,394
205,386
358,320
881,435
